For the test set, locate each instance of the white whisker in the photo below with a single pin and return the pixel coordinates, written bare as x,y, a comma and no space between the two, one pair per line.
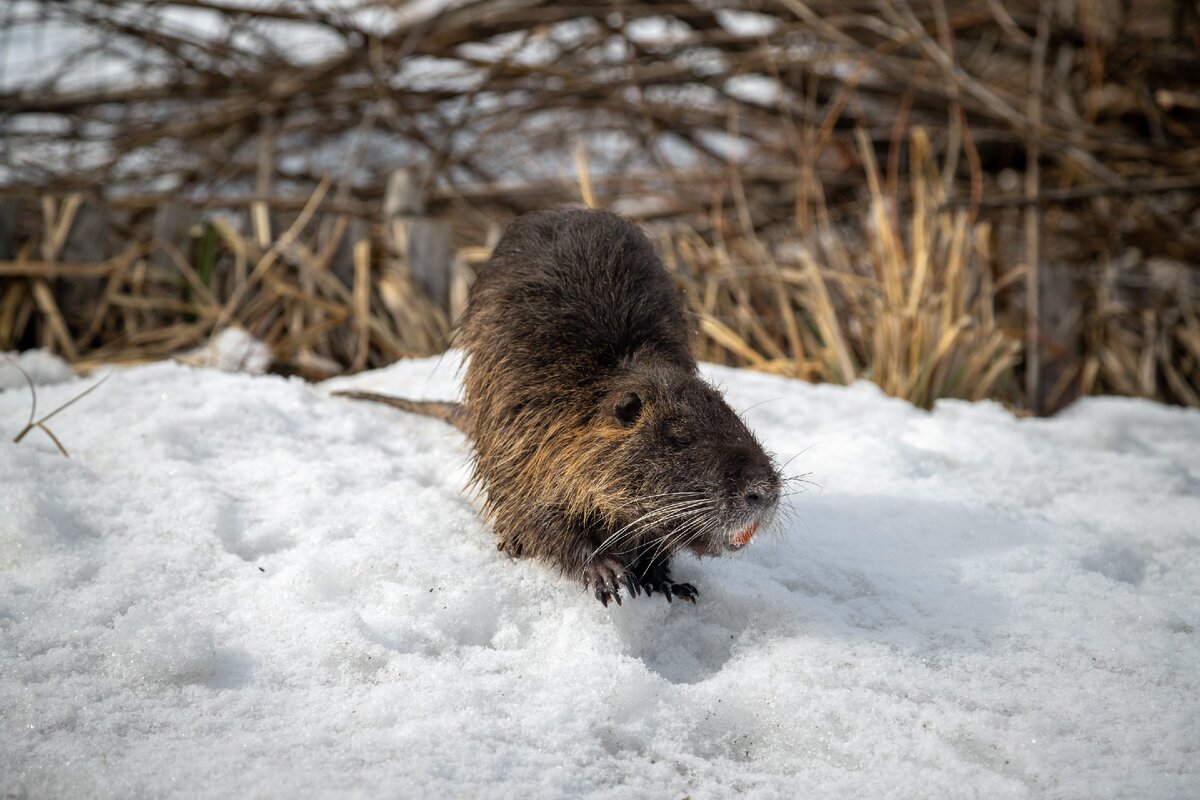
658,516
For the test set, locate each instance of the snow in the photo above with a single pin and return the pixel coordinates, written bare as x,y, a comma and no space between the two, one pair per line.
232,350
38,365
241,586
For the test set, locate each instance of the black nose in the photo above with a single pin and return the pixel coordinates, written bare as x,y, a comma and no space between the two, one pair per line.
763,495
752,477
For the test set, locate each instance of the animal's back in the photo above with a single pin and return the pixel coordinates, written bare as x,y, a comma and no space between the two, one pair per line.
570,294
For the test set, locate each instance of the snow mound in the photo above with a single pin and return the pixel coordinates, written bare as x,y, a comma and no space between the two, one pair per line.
232,350
41,367
241,586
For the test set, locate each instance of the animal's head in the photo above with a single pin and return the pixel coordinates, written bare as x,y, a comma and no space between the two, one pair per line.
677,464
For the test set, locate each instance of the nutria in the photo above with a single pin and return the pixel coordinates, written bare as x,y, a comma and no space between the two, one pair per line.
598,446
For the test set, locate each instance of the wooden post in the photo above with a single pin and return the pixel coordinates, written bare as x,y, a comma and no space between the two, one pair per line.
13,293
342,262
86,242
1061,343
1035,391
9,209
172,225
422,244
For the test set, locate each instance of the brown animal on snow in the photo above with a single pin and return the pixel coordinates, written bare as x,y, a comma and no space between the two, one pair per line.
599,447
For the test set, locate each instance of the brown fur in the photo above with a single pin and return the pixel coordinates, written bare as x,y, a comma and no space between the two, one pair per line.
599,448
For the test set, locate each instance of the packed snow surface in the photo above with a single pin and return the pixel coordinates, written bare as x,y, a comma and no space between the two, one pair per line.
239,586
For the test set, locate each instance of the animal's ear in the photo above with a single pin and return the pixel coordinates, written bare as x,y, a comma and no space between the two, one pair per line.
628,409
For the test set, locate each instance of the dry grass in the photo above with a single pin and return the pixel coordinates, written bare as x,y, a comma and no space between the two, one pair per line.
952,200
154,301
908,293
1150,350
909,306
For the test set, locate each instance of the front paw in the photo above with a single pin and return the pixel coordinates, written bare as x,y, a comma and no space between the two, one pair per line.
658,578
685,590
604,577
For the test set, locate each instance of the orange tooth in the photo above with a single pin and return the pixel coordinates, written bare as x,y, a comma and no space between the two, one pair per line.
745,534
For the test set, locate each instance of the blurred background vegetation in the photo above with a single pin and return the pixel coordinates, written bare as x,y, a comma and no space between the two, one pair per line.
985,199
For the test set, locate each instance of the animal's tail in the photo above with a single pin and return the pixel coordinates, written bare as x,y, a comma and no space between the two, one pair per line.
451,413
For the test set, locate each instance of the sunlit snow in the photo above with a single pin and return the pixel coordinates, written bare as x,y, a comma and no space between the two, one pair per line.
239,586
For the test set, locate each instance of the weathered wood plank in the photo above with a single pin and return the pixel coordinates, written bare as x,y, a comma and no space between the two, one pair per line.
424,245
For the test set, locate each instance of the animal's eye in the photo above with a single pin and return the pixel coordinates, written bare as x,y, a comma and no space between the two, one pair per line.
677,439
628,409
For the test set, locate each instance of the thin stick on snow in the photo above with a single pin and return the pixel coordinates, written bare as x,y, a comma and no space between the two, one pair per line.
41,423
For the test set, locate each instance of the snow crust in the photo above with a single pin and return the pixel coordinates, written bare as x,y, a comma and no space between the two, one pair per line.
239,586
40,366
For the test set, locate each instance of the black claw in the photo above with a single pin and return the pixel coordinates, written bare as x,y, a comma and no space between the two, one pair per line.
617,597
656,576
602,596
686,591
